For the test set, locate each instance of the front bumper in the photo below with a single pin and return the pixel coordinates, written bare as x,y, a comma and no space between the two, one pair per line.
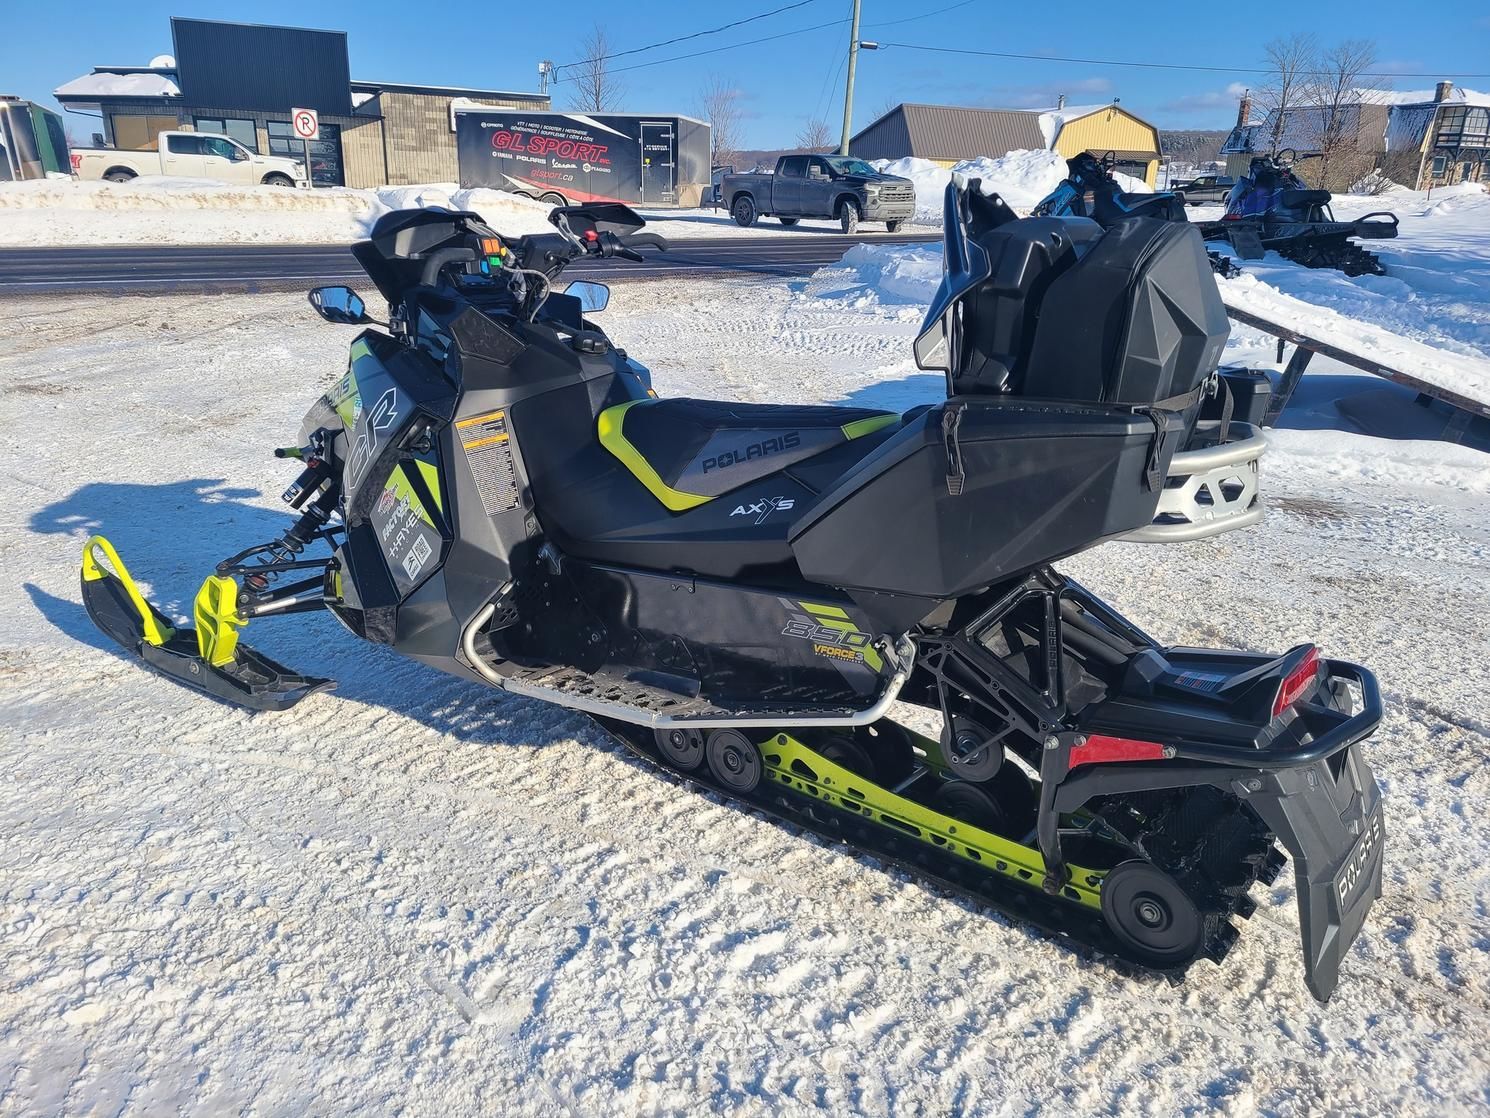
882,209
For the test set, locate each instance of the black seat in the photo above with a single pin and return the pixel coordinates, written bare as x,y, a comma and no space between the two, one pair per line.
687,452
1294,199
605,499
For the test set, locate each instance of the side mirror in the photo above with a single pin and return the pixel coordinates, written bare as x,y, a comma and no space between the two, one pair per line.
339,304
592,297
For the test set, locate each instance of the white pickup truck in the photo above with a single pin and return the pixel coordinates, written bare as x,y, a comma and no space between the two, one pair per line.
192,155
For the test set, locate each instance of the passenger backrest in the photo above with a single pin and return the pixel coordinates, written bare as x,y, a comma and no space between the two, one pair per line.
1025,257
1137,320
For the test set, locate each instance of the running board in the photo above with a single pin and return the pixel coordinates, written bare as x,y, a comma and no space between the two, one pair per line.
642,704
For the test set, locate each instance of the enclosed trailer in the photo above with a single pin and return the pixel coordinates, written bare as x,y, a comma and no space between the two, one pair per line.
637,158
33,142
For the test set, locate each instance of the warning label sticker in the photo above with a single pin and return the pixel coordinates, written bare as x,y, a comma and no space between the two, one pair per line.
485,441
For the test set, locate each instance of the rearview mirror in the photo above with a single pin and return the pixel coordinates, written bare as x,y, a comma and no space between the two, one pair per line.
339,304
592,296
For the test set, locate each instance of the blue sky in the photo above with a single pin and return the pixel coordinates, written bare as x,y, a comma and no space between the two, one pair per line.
785,82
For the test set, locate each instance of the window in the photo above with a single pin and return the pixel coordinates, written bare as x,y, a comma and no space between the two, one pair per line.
818,171
794,167
234,128
185,145
1440,165
139,133
1463,126
216,145
325,153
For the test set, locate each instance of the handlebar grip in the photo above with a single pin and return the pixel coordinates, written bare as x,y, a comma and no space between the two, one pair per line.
637,239
441,257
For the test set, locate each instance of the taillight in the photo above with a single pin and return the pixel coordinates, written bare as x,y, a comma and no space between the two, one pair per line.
1100,749
1296,682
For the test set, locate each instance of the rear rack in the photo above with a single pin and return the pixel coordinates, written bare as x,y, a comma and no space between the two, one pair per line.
1209,489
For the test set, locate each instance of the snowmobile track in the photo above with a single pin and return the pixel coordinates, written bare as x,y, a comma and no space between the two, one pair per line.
1079,930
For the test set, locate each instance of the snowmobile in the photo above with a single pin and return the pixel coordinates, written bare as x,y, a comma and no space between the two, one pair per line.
1271,208
1090,189
743,594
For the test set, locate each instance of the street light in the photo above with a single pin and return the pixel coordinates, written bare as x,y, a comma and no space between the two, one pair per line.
855,44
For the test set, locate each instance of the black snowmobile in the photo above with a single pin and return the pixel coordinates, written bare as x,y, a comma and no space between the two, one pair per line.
743,593
1271,208
1090,189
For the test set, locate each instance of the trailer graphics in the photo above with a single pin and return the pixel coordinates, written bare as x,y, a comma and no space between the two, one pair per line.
576,157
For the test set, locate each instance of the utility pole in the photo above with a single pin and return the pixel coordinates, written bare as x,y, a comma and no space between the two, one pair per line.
848,91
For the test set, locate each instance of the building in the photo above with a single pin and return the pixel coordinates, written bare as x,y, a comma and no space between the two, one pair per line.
242,80
33,142
946,134
1418,138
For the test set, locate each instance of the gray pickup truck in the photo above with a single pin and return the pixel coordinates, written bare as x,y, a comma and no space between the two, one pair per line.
836,186
1204,190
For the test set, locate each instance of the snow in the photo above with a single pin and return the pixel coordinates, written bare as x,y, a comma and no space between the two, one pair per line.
1053,120
418,895
119,85
157,209
1021,178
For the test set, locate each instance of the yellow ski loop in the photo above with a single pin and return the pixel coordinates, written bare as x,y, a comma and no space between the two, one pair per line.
154,632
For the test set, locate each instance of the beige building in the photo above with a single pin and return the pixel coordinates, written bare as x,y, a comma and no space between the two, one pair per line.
946,134
242,81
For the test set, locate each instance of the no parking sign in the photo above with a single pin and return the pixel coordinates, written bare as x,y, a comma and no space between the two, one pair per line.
306,122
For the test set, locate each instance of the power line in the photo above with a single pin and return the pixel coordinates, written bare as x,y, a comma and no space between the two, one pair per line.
925,15
1149,65
731,46
694,35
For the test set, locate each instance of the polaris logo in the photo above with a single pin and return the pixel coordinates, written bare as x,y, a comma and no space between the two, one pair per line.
764,507
1354,871
762,449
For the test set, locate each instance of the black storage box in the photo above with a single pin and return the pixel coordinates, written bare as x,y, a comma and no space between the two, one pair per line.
1251,390
1042,480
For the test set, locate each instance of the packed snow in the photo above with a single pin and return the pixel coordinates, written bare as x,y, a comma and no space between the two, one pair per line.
1021,178
418,895
157,209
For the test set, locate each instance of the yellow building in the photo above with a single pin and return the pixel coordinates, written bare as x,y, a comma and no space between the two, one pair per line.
946,134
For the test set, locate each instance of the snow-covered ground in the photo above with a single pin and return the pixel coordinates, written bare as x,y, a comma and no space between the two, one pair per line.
415,894
162,210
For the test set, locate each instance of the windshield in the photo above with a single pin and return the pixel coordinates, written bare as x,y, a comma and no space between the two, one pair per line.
846,166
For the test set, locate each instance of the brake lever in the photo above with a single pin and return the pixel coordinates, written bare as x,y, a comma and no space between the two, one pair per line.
630,254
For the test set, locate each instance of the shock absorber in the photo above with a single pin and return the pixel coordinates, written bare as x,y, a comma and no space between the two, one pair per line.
314,481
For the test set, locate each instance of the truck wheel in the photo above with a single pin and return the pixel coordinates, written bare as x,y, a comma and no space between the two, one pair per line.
893,226
744,211
554,199
848,216
279,180
788,221
119,176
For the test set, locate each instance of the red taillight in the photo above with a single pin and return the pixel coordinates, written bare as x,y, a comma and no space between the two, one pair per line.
1296,682
1231,217
1099,749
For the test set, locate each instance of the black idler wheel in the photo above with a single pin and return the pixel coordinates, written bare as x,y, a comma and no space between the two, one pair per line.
1149,912
734,760
683,749
970,750
1004,805
844,750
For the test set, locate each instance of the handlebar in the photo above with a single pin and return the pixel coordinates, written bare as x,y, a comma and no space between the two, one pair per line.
440,258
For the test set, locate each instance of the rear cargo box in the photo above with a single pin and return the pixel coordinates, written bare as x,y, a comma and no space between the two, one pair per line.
1041,481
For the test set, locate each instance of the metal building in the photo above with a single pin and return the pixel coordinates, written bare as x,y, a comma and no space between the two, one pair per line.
242,80
946,134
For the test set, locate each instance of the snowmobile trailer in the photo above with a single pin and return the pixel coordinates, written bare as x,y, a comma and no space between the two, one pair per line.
744,594
1271,208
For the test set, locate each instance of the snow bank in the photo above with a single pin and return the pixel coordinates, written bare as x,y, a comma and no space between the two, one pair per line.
1021,178
156,209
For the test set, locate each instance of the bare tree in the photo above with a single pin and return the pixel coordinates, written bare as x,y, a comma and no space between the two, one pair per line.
815,136
719,104
1338,113
596,88
1289,62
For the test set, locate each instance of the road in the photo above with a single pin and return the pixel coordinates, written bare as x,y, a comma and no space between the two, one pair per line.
164,269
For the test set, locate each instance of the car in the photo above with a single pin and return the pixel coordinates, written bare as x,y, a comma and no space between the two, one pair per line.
1205,190
831,186
192,155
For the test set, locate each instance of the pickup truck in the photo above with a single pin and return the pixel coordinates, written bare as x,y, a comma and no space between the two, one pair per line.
836,186
1207,188
192,155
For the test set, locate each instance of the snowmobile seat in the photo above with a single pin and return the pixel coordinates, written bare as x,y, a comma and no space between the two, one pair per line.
690,451
630,488
1298,199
